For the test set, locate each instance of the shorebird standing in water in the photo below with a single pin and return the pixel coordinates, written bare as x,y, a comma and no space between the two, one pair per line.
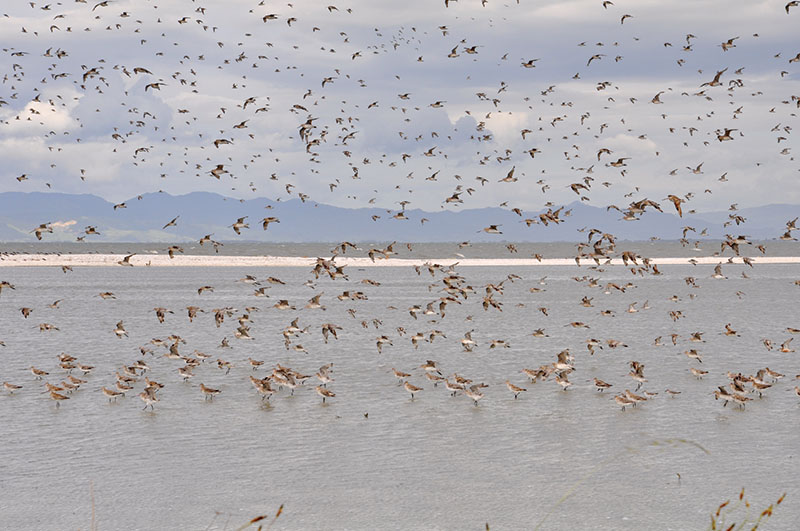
208,392
601,385
740,399
58,397
453,387
474,393
722,394
401,376
412,389
514,389
634,398
623,401
324,393
263,387
563,381
38,373
11,387
110,393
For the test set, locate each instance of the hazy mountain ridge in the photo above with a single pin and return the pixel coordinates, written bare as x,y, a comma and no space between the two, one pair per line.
204,213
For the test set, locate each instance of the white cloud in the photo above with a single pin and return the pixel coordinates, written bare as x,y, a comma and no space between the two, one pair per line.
63,224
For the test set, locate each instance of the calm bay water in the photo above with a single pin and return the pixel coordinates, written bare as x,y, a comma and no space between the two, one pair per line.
452,250
435,462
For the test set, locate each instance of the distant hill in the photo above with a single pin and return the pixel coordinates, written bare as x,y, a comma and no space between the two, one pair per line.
208,213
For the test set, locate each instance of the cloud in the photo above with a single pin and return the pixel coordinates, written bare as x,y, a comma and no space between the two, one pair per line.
63,224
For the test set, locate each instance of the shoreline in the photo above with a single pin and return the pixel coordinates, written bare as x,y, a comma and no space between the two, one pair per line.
111,260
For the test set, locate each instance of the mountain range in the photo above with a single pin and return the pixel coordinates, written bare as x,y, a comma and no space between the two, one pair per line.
202,213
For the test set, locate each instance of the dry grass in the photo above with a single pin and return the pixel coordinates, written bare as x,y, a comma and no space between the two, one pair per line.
264,522
742,512
260,519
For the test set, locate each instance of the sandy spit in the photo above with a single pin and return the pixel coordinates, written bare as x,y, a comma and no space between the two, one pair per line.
112,260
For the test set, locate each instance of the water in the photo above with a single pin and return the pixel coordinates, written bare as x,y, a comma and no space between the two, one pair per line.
436,462
422,250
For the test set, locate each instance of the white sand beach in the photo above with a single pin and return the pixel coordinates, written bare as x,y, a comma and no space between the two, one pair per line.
112,260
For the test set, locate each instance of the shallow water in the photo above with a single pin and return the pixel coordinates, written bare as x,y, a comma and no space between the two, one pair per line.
435,462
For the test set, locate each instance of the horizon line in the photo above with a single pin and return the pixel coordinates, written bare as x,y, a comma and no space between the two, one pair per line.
160,260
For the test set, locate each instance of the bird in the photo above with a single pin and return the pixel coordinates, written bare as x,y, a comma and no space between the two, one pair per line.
514,389
149,397
597,57
58,397
728,44
412,389
120,330
240,224
41,229
263,387
271,219
161,313
491,229
473,393
400,375
601,385
172,249
677,201
171,223
314,304
11,387
324,393
623,401
208,392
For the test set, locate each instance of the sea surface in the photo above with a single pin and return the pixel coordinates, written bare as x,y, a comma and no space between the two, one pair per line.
453,250
371,457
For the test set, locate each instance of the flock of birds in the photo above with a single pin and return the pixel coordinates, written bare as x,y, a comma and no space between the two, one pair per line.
231,137
328,121
137,371
454,288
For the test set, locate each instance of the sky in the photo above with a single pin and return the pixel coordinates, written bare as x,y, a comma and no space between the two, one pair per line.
407,104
